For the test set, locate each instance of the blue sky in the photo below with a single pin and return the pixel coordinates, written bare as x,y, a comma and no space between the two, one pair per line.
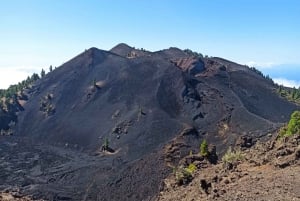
35,34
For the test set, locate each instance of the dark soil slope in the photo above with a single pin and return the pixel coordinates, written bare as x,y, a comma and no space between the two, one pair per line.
139,101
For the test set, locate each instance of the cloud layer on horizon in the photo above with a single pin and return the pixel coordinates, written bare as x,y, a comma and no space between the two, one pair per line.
287,82
9,76
262,64
285,74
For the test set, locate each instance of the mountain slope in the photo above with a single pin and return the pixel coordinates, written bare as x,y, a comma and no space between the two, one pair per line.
138,102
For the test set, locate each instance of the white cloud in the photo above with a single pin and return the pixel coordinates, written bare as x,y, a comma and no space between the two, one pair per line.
9,76
261,64
287,83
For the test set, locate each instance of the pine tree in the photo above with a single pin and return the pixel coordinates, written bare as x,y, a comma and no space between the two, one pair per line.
34,77
43,73
204,148
294,124
294,93
94,83
105,145
297,94
280,89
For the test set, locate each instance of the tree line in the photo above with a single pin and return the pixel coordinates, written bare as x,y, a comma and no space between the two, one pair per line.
10,96
292,94
13,90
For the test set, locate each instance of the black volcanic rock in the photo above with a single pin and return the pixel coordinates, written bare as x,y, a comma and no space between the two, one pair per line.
139,101
5,119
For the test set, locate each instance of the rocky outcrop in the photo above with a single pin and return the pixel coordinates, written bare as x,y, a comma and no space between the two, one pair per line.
268,171
191,65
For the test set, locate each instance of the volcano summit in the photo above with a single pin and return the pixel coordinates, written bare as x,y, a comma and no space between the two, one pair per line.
106,125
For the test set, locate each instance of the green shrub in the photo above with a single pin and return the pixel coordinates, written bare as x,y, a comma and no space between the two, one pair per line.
293,126
204,148
282,132
183,176
290,94
191,168
232,156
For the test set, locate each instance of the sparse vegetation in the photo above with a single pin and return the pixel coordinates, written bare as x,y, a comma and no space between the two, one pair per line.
204,149
183,176
46,106
14,89
9,99
291,94
105,145
192,53
232,156
43,73
132,54
256,71
267,77
191,168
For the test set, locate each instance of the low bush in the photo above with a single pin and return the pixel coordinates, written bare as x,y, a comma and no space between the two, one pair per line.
183,176
191,168
232,156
